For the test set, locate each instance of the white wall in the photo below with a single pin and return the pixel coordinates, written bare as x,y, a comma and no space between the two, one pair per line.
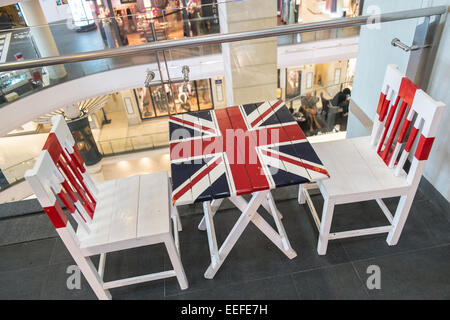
54,12
376,52
437,170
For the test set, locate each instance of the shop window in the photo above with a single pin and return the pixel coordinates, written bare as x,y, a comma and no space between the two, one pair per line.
181,97
160,100
293,82
185,97
204,94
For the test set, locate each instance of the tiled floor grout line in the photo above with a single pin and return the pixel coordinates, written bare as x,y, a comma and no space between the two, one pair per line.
402,252
27,241
297,293
232,283
360,279
320,267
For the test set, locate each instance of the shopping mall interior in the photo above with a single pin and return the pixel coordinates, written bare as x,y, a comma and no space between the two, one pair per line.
120,72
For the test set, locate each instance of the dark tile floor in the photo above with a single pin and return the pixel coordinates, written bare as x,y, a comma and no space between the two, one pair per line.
33,260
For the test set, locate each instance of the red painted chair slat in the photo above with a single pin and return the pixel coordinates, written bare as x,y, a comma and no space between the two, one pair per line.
56,215
398,119
411,139
388,123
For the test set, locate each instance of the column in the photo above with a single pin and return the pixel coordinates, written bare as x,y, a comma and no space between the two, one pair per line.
82,134
42,36
250,66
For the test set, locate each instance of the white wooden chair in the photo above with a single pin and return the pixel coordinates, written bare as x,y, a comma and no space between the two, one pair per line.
111,216
371,167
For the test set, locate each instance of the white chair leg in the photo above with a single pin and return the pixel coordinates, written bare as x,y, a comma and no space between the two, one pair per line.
174,214
174,210
325,225
301,194
215,205
93,278
175,233
84,263
176,262
401,214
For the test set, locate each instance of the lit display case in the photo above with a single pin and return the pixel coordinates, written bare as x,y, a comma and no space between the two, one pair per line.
160,100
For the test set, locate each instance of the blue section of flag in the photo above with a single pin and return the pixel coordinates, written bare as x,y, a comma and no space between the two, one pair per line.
219,188
307,152
284,178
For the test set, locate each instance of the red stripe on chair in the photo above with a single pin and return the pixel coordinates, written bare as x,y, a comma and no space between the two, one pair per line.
53,147
388,124
424,147
407,90
56,215
78,175
76,156
73,167
81,193
69,205
412,137
380,103
69,191
403,131
385,108
394,129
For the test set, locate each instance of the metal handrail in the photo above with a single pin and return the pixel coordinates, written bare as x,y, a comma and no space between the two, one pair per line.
222,38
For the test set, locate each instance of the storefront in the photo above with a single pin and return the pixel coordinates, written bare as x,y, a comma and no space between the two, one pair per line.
297,11
181,97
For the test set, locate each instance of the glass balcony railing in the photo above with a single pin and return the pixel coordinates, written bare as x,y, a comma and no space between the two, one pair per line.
16,172
134,143
118,32
178,52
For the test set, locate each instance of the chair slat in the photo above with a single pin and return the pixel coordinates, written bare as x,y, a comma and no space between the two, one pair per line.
387,124
387,149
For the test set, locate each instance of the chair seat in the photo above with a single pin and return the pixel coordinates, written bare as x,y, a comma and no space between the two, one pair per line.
357,173
130,212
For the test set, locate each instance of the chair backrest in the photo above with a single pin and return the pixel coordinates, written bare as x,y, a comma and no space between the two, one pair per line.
60,172
400,102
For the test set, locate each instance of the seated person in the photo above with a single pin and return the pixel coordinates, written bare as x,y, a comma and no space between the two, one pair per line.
309,105
342,100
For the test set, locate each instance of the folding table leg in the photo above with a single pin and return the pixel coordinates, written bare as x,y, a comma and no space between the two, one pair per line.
212,240
278,223
266,206
215,204
236,232
264,227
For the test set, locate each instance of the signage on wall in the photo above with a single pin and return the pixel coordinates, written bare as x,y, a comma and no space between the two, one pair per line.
127,1
128,105
219,89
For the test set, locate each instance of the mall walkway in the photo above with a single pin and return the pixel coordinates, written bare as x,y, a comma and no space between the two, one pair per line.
34,261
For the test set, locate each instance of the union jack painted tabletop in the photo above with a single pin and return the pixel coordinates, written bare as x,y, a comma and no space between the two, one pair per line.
230,152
